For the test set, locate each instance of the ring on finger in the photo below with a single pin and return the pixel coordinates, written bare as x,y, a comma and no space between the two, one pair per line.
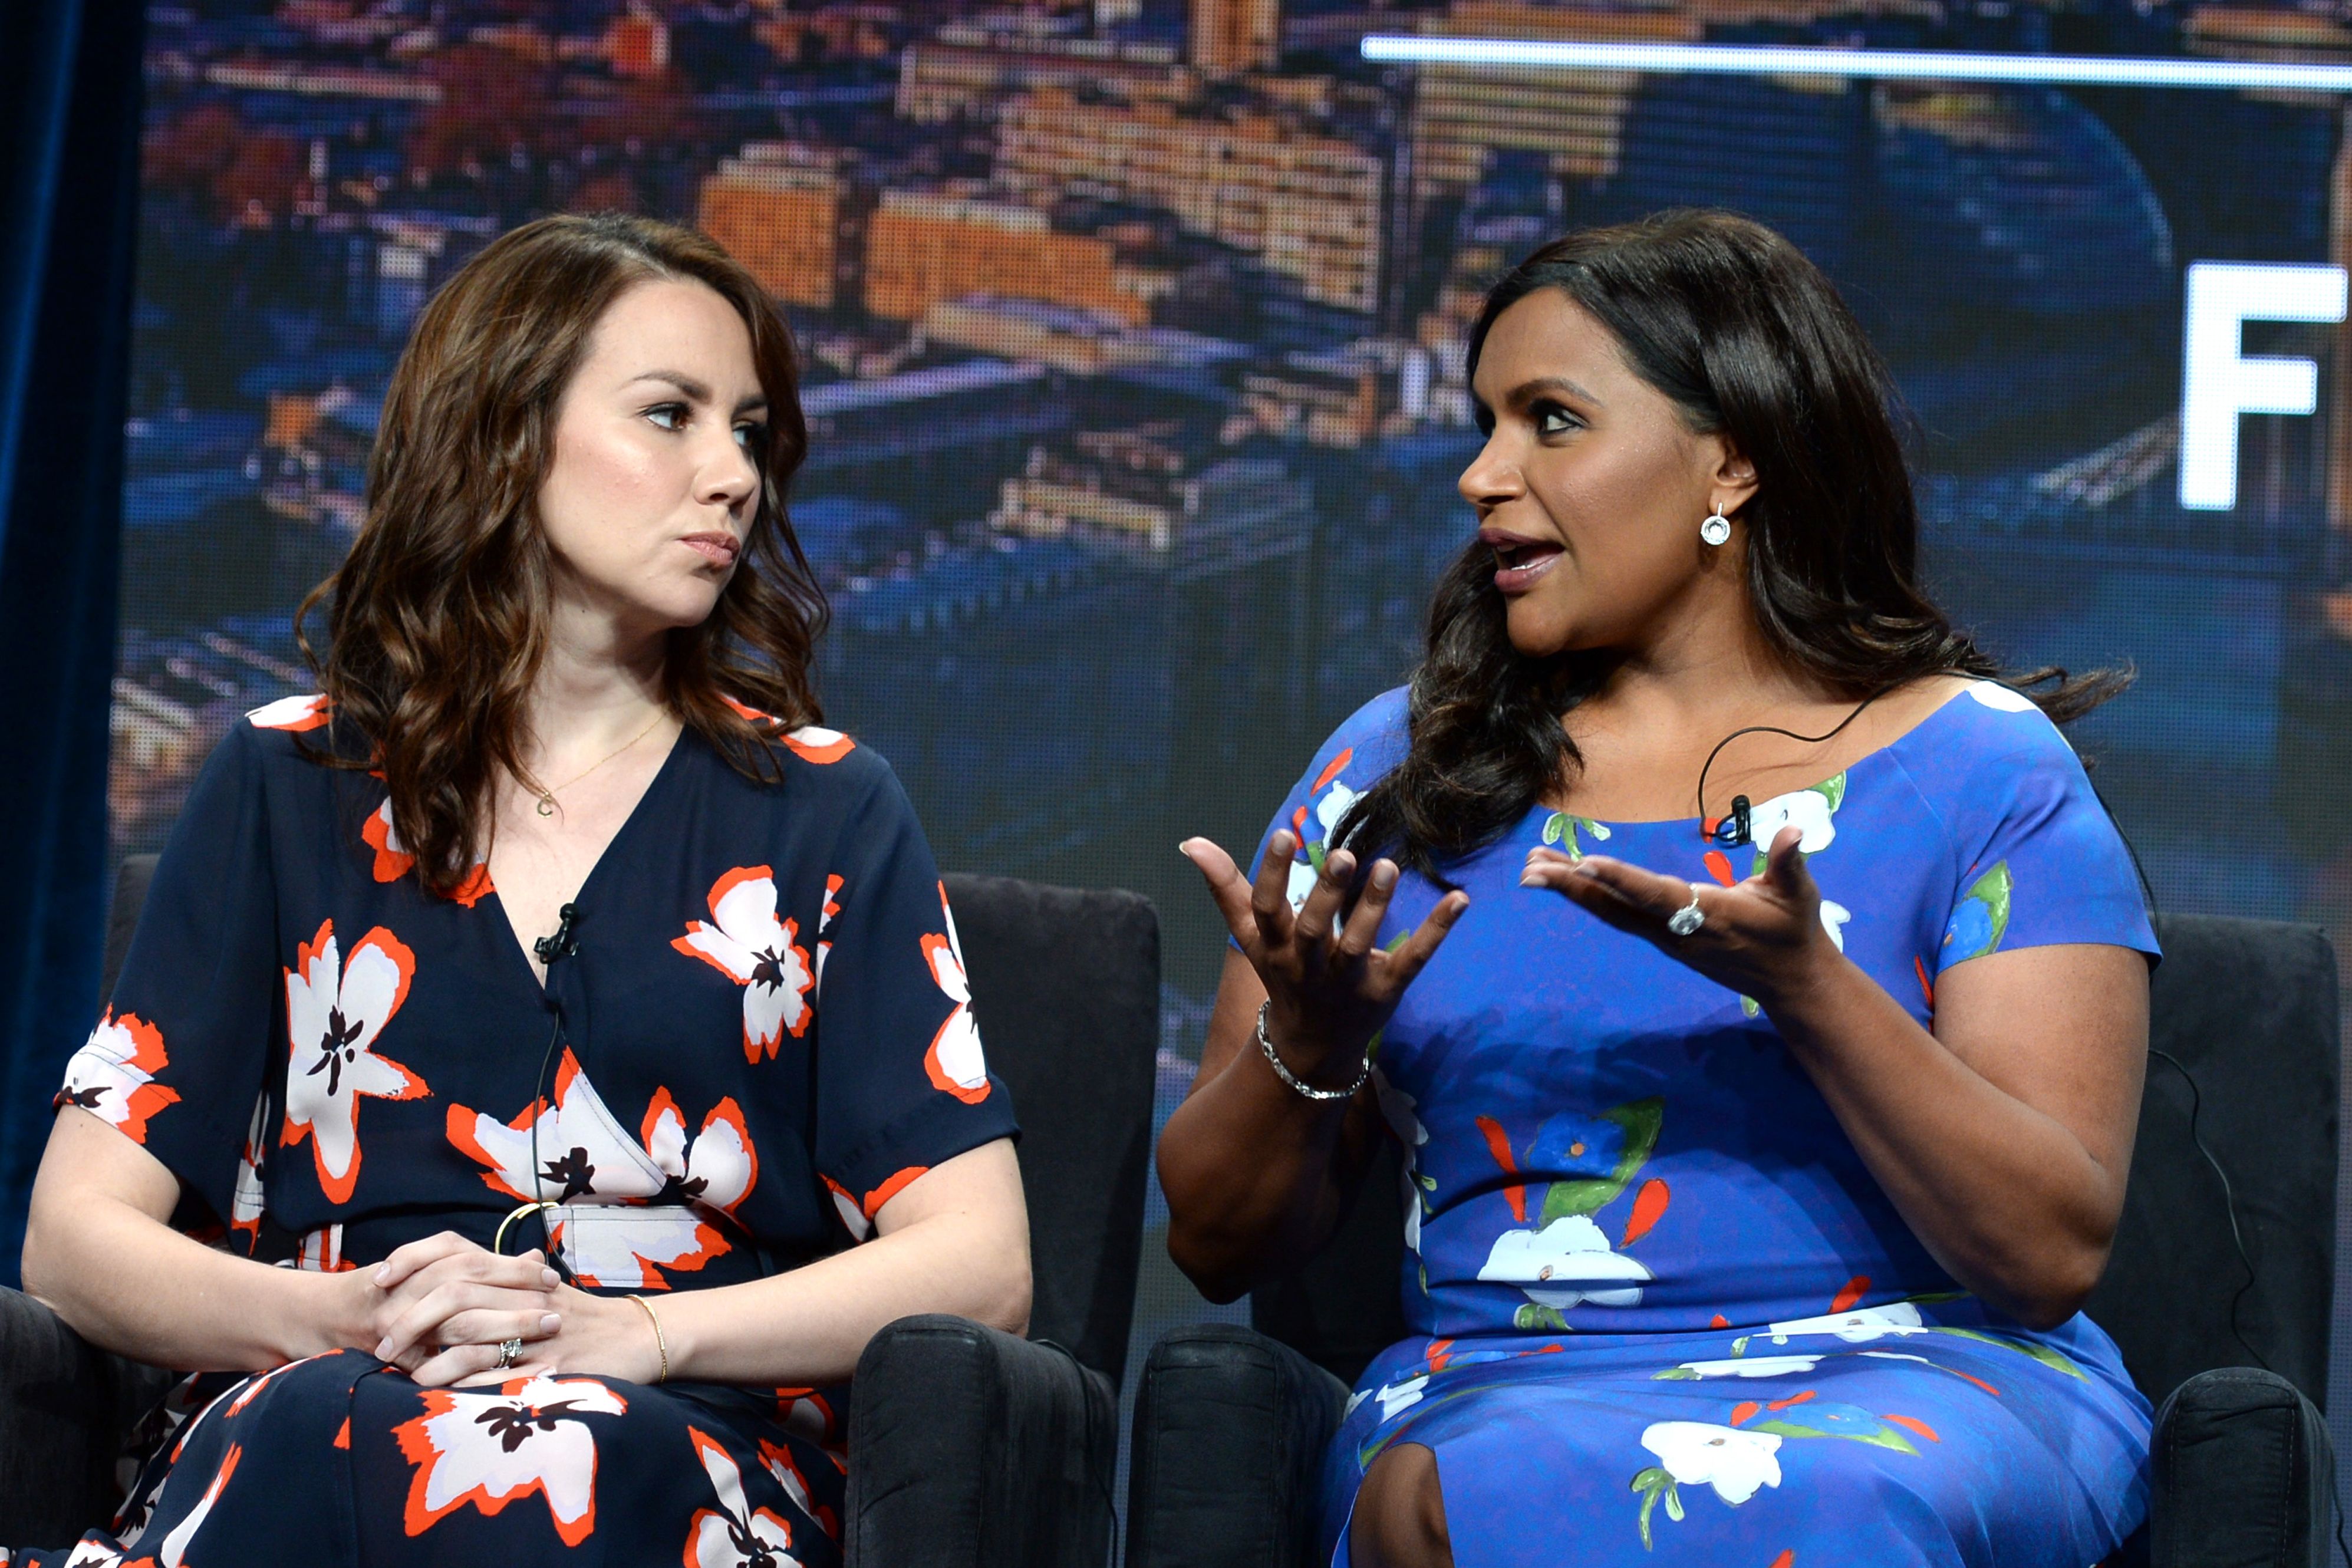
510,1352
1689,918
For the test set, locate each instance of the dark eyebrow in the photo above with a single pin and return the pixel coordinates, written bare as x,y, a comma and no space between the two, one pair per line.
755,403
1526,392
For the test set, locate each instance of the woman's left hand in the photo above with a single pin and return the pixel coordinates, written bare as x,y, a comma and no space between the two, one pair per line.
609,1336
1762,937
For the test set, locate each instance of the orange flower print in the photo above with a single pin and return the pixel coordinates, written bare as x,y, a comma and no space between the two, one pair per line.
393,861
622,1219
779,1460
811,742
734,1535
333,1013
488,1449
173,1552
954,1062
110,1076
859,1216
244,1202
310,711
749,946
824,918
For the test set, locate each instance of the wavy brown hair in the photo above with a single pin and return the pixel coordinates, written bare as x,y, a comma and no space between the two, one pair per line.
436,622
1749,341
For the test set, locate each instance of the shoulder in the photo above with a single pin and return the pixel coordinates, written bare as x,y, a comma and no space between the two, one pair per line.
1989,760
1984,724
1367,744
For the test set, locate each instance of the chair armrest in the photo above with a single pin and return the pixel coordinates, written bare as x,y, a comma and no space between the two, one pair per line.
65,1405
972,1448
1230,1431
2240,1473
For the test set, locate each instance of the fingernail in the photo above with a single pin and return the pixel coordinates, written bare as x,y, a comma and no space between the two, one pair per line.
549,1323
1528,878
383,1273
549,1278
1385,877
383,1350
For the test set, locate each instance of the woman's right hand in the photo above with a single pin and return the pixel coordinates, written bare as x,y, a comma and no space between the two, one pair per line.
1328,990
445,1290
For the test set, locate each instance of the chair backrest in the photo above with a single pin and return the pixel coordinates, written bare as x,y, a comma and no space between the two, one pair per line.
1065,987
2248,1008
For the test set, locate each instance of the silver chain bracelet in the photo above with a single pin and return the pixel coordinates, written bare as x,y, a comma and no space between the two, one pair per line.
1266,1044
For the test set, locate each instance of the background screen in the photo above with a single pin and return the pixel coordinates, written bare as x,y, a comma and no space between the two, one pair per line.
1133,337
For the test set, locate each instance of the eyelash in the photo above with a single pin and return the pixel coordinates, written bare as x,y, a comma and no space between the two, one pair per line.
1543,412
752,436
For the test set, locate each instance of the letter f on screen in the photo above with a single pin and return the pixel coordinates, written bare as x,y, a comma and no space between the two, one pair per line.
2218,382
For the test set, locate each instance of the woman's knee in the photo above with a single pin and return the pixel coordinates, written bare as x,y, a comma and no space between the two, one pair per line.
1400,1517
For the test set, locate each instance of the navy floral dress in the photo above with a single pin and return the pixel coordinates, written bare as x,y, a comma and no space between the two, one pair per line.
1662,1312
764,1035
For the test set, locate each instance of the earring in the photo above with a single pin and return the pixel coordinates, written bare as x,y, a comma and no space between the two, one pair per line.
1716,529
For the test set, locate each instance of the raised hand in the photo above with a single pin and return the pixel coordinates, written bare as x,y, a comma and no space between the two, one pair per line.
1761,937
1328,989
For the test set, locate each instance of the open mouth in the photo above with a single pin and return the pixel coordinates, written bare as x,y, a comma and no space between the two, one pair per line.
1519,561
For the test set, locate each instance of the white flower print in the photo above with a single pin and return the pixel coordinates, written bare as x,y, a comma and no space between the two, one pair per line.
334,1012
1834,918
175,1545
954,1063
1397,1110
1565,1264
1994,695
489,1449
1328,814
111,1076
751,947
1859,1327
393,861
1733,1462
309,711
734,1535
245,1199
825,916
1396,1396
608,1227
779,1461
815,743
1752,1366
1807,809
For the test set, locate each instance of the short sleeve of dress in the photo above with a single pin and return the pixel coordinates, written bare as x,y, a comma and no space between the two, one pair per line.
178,1061
2039,861
1358,753
902,1083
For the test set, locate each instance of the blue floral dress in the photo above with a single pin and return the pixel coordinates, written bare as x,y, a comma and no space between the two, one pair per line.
764,1035
1662,1312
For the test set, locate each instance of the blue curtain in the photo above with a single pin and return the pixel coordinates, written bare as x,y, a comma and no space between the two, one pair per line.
70,103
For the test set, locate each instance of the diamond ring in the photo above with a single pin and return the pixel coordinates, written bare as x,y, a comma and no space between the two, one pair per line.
1689,918
510,1352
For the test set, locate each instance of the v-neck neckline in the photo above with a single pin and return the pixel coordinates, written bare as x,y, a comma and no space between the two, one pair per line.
512,941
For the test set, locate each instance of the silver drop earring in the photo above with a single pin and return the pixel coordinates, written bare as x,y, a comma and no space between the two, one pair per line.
1716,529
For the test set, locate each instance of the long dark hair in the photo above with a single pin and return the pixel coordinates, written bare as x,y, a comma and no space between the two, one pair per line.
1749,341
437,620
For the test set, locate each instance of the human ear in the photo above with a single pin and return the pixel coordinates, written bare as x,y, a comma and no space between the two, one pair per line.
1731,477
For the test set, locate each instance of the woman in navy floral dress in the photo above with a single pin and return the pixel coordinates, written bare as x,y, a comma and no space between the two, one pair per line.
1777,987
578,1238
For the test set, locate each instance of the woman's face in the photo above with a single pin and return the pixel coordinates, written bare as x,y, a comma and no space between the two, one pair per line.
1591,487
652,489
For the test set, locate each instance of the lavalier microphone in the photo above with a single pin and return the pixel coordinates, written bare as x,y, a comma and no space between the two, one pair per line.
566,940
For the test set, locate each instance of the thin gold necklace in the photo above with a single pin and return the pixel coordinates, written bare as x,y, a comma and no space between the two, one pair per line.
547,797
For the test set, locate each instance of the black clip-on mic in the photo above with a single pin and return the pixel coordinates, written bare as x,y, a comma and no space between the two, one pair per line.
563,943
1728,831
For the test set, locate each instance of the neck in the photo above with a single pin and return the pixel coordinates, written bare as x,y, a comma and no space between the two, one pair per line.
598,686
1708,672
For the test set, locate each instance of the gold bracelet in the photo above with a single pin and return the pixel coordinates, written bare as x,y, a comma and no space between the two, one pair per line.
660,1343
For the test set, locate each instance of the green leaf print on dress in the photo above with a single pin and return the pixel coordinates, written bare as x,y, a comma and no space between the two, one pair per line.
1565,1259
1981,920
1561,829
1699,1453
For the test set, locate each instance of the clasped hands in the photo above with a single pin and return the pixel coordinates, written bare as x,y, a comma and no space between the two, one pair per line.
440,1308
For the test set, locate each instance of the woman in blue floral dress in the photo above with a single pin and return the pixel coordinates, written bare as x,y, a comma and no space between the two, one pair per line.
1757,988
579,1028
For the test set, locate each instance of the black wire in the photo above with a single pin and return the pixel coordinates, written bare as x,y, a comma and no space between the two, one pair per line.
538,1184
1775,729
2229,1202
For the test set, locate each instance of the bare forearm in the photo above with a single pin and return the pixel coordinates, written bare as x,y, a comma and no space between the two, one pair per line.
2004,1196
809,1326
127,1282
1251,1169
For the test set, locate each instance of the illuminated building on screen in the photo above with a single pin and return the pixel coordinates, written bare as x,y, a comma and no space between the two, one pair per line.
964,73
1309,206
780,210
925,247
1233,35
